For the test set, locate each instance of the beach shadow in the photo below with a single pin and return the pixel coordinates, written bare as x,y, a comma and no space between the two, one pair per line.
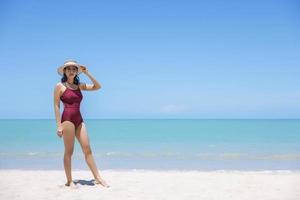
85,182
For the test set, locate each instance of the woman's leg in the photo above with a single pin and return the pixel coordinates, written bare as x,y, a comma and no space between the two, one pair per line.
69,137
83,139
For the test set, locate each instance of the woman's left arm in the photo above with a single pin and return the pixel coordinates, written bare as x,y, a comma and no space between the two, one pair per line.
95,86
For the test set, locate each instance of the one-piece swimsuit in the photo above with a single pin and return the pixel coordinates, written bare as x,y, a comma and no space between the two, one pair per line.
71,100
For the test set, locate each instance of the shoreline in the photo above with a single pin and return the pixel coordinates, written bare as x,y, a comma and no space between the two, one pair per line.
166,170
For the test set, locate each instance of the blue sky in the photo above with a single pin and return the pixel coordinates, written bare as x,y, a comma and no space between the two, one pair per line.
154,59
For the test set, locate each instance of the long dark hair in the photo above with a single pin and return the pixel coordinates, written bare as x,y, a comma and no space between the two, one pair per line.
76,79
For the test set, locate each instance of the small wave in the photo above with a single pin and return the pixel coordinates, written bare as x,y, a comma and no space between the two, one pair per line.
30,154
200,156
161,155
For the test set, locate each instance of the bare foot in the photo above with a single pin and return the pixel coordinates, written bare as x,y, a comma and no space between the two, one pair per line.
102,182
71,184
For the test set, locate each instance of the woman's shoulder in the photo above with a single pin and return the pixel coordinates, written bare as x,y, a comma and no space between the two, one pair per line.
59,85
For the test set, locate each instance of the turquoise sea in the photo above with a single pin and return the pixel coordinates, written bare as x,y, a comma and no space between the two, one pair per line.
162,144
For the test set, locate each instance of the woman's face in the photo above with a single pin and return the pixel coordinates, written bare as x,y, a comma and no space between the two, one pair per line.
71,71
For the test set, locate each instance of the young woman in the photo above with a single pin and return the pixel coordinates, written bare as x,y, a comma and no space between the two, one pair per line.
71,124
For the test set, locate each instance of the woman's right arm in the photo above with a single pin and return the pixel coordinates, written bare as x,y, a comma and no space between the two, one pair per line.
57,108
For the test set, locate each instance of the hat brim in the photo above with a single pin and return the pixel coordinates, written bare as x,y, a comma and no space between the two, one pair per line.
60,69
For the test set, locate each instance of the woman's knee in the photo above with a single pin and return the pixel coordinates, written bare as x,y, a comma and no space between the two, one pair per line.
69,152
87,150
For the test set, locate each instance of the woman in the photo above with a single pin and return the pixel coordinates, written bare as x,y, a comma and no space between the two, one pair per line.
71,124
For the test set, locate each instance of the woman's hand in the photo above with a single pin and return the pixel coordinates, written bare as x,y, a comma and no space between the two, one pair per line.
59,131
84,69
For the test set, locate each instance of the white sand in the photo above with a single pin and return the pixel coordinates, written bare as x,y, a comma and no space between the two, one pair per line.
154,185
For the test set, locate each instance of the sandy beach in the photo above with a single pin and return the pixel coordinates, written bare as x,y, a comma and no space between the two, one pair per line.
150,184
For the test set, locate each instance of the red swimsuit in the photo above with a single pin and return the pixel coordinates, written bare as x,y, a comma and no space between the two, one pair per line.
71,99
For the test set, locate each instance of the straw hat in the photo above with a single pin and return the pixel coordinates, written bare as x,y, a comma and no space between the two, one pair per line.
69,62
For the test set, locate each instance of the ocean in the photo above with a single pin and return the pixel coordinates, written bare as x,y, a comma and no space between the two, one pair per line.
160,144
